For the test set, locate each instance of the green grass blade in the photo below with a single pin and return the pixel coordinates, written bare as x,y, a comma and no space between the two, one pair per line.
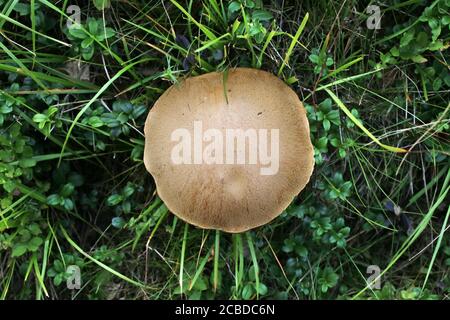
98,94
415,234
437,247
24,69
101,264
293,43
6,18
212,42
251,247
182,257
216,260
200,268
360,125
202,27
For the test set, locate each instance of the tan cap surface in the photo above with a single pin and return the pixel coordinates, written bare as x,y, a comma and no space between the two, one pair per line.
229,197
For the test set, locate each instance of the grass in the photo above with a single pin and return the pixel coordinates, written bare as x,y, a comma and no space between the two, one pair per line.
74,190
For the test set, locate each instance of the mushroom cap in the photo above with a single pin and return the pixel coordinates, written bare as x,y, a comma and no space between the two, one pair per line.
229,197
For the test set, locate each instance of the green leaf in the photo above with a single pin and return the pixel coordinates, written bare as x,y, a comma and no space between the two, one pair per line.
110,122
329,61
262,15
291,80
419,59
326,124
333,116
93,25
436,32
67,190
128,190
53,199
18,250
422,40
314,58
25,234
249,4
34,229
234,7
334,194
118,222
51,273
35,243
114,199
200,284
40,118
436,45
322,144
326,104
102,4
5,109
68,204
122,118
437,83
22,8
27,163
87,53
9,186
107,33
95,122
4,203
394,51
288,246
445,20
58,265
138,111
247,291
328,279
86,42
136,153
122,106
406,38
262,289
301,251
57,280
126,207
77,32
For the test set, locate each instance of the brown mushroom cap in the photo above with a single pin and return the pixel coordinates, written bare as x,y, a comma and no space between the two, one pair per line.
229,197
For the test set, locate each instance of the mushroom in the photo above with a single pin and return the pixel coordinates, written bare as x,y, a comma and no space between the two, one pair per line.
230,150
